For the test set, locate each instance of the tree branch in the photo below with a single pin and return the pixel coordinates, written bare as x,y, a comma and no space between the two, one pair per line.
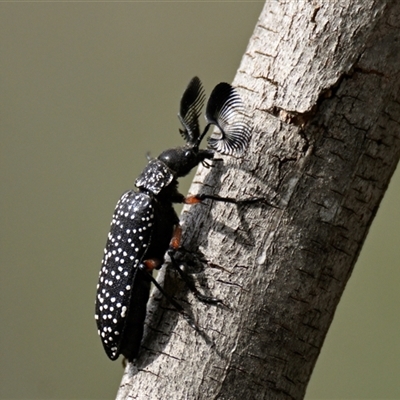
322,85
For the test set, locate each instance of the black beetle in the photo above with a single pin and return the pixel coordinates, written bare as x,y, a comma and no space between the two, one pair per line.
145,225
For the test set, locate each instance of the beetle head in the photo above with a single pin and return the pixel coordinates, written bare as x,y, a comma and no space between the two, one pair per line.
182,160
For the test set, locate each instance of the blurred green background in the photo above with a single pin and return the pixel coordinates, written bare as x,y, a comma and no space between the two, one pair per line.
87,88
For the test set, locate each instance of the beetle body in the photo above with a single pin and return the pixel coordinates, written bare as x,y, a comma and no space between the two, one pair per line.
144,222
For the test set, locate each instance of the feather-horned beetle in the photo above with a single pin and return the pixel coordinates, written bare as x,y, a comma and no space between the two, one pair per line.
145,225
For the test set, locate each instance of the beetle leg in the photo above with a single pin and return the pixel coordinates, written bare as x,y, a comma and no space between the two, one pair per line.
173,247
198,198
203,298
152,263
202,196
176,238
194,199
143,267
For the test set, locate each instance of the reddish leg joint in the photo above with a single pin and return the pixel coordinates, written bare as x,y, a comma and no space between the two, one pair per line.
152,263
176,238
194,199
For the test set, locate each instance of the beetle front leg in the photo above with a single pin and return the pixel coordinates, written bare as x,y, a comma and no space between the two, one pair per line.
250,200
198,198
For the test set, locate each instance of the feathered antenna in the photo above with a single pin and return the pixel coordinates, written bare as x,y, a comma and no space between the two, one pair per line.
226,110
191,105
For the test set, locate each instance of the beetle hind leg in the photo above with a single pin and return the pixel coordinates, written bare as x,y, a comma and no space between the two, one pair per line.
144,268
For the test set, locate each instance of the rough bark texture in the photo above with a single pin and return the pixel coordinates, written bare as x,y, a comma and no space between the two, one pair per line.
321,81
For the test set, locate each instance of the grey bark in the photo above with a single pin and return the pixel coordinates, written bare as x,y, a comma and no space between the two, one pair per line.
321,81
